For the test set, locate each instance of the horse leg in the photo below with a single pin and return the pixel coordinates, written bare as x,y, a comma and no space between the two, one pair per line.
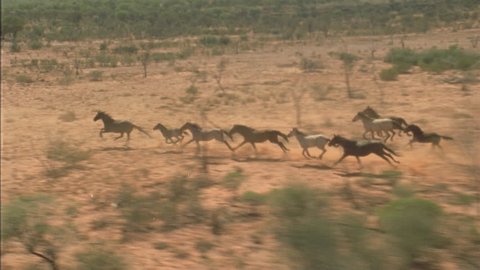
388,136
121,135
188,143
282,146
386,159
101,132
323,152
254,148
338,161
235,148
303,153
390,156
393,135
228,145
308,153
359,162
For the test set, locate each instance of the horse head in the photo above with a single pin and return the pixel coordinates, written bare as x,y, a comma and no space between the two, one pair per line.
335,140
99,115
292,132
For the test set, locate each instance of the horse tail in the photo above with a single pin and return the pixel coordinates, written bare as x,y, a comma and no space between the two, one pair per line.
142,130
226,133
284,136
390,150
446,137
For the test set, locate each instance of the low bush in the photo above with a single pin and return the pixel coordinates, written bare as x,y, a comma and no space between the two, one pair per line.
389,74
100,258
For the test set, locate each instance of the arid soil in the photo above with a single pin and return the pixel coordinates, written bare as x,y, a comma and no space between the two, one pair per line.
258,92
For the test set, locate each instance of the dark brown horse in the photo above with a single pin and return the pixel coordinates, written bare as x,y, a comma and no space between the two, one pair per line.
199,134
253,136
421,137
169,134
361,149
111,125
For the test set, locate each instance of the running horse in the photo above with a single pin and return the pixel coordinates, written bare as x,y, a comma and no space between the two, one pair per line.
254,136
111,125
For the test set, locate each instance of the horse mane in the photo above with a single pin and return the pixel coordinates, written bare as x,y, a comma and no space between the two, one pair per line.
371,110
415,129
242,126
106,114
301,133
194,125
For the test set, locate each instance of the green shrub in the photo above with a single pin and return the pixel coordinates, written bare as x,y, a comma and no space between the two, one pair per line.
95,75
23,79
253,198
203,246
233,179
26,219
302,227
438,60
389,74
402,57
310,65
60,150
68,116
36,44
294,202
434,59
210,41
191,90
412,222
100,258
125,50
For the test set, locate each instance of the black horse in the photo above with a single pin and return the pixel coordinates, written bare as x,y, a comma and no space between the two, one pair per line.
169,134
421,137
253,136
111,125
361,149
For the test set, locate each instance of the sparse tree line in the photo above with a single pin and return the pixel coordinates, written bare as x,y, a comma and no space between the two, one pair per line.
77,20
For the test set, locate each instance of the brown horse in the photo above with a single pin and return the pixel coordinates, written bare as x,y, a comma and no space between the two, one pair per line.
199,134
169,134
421,137
361,149
253,136
111,125
401,123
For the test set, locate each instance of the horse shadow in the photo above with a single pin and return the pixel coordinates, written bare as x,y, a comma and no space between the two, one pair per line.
310,166
257,159
117,148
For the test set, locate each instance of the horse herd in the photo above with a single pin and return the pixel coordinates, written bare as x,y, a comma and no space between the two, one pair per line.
372,122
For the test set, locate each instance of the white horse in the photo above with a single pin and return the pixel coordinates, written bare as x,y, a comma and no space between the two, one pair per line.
379,125
308,141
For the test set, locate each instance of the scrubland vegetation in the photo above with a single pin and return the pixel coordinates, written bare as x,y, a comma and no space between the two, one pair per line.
381,220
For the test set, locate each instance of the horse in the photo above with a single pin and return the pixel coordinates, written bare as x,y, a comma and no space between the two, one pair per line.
376,125
168,134
253,136
421,137
361,149
199,134
399,120
308,141
111,125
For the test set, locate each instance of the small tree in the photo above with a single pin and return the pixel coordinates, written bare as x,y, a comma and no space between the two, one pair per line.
348,60
297,96
221,66
145,59
25,220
